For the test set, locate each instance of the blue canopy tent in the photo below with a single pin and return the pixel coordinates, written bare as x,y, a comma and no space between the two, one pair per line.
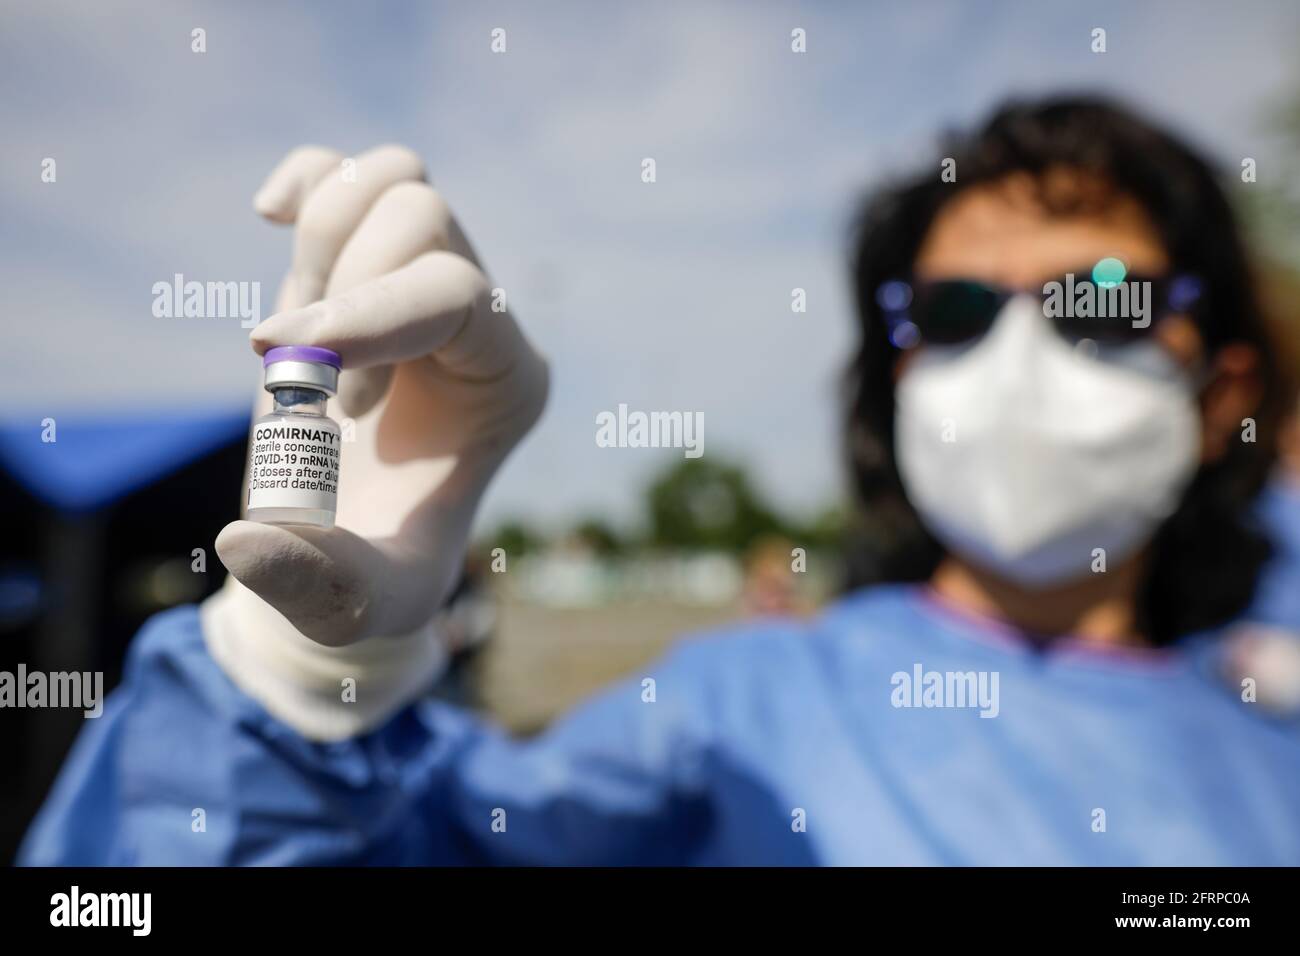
95,461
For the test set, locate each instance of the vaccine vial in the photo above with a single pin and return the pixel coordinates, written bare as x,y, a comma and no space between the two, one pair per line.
293,468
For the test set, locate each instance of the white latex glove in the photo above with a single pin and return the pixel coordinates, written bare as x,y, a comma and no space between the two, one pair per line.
440,388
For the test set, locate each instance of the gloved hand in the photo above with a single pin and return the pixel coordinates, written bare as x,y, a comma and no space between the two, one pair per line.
440,388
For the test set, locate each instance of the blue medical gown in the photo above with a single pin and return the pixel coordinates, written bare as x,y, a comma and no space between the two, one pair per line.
1277,596
777,742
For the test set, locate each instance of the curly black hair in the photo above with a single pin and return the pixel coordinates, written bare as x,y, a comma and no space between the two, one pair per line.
1207,556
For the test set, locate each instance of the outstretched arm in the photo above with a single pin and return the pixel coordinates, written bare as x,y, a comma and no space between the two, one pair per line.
184,768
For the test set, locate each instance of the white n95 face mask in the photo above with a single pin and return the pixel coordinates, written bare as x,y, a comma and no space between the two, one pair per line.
1023,455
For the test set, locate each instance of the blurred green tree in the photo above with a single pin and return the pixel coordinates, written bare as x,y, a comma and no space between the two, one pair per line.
516,537
600,536
1271,204
700,504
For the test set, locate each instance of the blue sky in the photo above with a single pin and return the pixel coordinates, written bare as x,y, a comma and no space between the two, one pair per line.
674,296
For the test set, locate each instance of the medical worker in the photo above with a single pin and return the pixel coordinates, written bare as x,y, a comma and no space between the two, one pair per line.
1056,509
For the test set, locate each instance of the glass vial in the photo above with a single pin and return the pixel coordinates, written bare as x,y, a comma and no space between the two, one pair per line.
293,466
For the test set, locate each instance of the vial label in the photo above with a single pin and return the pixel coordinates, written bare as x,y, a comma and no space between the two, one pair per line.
294,465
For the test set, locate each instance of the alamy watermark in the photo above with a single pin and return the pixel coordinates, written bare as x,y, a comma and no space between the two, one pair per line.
632,429
1090,299
938,689
133,911
83,690
180,299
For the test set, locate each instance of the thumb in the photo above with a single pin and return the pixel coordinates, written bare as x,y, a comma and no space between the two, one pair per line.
334,586
317,578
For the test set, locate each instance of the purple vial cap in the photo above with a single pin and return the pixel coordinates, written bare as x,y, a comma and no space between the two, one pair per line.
302,353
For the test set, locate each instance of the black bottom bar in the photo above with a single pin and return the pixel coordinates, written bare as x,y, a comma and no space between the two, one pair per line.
206,906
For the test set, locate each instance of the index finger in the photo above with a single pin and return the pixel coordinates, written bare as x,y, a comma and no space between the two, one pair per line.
294,177
336,207
436,306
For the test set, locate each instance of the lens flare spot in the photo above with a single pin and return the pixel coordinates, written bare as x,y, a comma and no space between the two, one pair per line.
905,335
1109,272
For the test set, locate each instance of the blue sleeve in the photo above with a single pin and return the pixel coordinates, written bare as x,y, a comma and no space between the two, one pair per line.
183,768
1277,594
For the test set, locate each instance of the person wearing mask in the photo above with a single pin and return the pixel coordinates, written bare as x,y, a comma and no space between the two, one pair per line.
1056,513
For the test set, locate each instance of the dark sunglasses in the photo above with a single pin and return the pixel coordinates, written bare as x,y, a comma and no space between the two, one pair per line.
955,311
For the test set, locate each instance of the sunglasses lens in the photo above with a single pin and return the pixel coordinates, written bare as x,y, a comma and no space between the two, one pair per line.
1109,330
1106,313
956,311
952,312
